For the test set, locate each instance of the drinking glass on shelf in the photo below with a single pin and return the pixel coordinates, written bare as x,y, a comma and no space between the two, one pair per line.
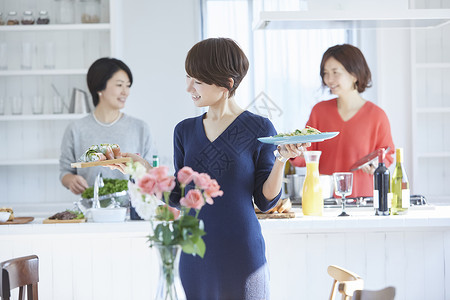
2,105
58,104
49,55
16,105
3,57
38,105
343,182
27,56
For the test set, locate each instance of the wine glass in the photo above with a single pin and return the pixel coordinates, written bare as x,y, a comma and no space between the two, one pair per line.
343,182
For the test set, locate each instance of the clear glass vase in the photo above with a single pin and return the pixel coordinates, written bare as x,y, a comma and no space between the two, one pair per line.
169,284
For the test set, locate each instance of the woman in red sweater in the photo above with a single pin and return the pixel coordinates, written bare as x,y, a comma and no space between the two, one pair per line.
363,126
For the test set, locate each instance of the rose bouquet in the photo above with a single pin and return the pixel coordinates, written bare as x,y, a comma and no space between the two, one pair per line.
150,194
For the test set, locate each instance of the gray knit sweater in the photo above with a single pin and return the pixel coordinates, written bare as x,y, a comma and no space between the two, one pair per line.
131,134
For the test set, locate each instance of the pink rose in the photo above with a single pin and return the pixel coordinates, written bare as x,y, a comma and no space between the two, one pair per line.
186,175
213,189
166,184
159,172
193,199
147,183
208,199
175,212
202,180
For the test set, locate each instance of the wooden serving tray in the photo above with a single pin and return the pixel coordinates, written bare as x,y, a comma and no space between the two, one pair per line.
49,221
100,163
287,215
18,220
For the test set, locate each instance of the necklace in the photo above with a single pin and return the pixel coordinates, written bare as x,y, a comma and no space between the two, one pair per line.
107,124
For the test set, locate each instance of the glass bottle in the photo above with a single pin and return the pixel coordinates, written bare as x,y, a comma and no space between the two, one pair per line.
27,18
12,18
90,11
312,198
43,18
381,178
400,186
65,11
155,161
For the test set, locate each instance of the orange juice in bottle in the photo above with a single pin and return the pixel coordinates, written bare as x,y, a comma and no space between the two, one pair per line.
312,199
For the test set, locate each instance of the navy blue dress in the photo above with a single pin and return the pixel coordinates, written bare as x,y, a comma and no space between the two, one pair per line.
234,266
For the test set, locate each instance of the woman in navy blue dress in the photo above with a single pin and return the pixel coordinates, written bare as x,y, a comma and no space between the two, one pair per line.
223,143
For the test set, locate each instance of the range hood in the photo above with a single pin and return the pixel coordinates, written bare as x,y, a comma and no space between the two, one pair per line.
352,19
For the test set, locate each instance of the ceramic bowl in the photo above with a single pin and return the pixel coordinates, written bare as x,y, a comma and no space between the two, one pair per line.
106,215
4,216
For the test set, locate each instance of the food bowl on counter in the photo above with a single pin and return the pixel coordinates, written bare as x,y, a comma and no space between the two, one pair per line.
107,215
4,216
110,200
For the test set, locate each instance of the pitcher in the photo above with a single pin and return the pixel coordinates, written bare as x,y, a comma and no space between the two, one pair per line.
312,200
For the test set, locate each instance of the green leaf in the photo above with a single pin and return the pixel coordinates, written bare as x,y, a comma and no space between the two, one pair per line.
201,247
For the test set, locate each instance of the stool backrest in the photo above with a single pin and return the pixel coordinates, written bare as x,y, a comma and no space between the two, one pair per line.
384,294
19,273
345,281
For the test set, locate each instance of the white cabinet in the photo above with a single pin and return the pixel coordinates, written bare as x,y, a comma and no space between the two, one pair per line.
430,55
59,55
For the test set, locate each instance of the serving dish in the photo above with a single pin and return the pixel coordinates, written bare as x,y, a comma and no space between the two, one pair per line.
371,158
298,139
18,220
100,162
106,215
52,221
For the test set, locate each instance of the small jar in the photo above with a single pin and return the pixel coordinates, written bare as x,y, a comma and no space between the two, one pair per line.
2,21
43,18
27,18
90,11
12,18
65,11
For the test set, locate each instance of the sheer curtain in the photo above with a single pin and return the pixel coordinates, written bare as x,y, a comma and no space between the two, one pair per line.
284,82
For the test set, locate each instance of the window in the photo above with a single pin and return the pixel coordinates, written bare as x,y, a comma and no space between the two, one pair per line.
283,81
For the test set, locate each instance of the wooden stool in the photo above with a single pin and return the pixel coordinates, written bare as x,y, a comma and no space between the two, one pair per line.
18,273
346,282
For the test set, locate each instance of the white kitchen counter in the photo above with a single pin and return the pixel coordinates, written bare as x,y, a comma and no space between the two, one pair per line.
112,260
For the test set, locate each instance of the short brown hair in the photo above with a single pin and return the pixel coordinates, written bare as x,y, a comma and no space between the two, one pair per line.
215,61
353,61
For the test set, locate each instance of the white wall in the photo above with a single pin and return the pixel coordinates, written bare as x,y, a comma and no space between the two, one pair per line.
154,41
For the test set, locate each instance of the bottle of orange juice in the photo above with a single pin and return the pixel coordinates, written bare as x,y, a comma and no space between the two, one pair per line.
312,199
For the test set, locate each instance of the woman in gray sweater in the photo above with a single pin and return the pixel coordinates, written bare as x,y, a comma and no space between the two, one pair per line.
109,81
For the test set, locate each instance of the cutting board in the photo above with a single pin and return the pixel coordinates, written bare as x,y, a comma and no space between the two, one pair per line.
287,215
18,220
49,221
100,162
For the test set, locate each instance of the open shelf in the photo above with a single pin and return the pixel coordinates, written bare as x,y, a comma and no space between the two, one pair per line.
56,27
437,110
433,155
43,72
48,117
28,162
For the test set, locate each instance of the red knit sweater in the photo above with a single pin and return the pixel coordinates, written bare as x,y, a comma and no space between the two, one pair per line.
365,132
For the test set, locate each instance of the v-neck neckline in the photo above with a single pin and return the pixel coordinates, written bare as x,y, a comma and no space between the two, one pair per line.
346,121
222,133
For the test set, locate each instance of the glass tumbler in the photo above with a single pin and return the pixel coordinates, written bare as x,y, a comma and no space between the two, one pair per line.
16,105
27,56
65,11
3,57
38,105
